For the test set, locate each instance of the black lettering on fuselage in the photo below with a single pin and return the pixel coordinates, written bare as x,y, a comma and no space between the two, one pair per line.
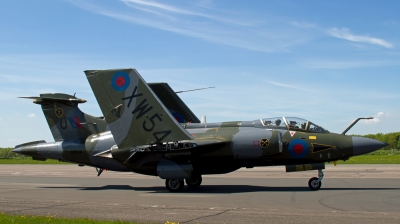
132,96
164,134
77,151
153,123
143,109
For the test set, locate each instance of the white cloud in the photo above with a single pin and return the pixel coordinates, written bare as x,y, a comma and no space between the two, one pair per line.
286,86
1,119
303,24
344,64
377,118
31,115
172,9
238,29
345,34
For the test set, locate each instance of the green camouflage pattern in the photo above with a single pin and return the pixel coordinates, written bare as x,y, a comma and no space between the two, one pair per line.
140,134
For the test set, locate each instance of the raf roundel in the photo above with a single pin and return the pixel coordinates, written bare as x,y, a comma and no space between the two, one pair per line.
298,148
178,117
120,81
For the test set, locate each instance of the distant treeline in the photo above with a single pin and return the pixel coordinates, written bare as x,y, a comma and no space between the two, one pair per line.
5,153
393,139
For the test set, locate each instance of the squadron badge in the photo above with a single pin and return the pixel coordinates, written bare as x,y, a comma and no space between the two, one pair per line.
264,143
59,112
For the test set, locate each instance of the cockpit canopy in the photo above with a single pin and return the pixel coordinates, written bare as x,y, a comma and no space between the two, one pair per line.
293,123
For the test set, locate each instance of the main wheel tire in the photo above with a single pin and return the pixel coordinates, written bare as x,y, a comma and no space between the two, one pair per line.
313,184
194,181
174,185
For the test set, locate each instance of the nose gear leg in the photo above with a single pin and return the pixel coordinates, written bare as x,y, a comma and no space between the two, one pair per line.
315,183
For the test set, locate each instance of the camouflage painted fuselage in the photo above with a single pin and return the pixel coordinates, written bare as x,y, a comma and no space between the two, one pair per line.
146,137
216,148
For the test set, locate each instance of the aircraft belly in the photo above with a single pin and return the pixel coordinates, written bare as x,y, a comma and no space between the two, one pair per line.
108,163
168,169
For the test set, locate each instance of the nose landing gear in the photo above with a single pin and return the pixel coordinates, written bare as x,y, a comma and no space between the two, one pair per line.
315,183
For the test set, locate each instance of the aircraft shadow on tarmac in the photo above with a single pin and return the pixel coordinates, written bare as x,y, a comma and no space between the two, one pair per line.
217,189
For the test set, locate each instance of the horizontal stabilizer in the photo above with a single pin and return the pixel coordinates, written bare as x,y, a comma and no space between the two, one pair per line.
66,121
54,97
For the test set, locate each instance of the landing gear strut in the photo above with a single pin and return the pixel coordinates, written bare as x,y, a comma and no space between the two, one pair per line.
174,185
99,171
315,183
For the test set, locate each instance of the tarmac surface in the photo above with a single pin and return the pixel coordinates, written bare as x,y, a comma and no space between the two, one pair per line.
349,194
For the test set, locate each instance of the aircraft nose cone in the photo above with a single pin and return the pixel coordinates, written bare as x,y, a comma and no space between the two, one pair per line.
363,145
16,150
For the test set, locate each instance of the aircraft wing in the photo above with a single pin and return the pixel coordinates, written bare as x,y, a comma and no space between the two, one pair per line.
174,103
133,112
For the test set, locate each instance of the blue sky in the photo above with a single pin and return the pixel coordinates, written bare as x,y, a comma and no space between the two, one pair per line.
326,61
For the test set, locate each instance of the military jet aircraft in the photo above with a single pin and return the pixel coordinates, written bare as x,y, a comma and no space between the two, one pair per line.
148,130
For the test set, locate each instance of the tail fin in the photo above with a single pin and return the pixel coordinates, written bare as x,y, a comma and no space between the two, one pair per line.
66,121
133,112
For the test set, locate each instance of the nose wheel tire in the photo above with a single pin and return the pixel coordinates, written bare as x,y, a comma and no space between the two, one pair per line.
314,184
174,185
193,181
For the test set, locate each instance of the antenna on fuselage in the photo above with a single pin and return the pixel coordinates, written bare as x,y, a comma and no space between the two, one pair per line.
183,91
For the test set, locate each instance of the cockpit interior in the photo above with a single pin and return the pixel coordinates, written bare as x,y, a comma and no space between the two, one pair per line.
293,123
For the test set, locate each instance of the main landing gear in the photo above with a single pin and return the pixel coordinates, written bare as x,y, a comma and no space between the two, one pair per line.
176,185
194,181
315,183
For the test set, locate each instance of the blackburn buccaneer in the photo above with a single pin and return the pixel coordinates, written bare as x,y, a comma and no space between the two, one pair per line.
147,129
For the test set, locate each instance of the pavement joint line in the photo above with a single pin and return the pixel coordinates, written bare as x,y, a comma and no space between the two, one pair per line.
52,206
207,216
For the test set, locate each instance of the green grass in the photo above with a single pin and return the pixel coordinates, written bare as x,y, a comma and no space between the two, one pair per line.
378,157
9,157
29,219
373,159
29,160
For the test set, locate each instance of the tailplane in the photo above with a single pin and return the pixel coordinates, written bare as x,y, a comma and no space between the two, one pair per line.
66,121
